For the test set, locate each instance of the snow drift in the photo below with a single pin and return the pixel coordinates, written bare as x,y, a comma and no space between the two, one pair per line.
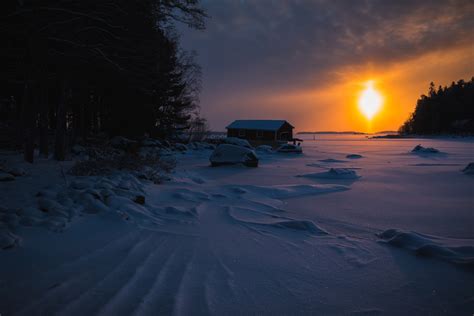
333,173
459,251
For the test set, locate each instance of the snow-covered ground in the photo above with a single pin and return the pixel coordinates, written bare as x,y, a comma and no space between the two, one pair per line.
322,233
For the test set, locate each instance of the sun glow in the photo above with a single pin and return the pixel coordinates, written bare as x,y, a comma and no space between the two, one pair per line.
370,100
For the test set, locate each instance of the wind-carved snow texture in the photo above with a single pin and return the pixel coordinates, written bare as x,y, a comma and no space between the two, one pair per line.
264,221
334,174
226,241
457,251
147,273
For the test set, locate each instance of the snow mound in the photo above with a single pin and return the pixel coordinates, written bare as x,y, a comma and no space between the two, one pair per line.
424,150
290,148
290,191
333,173
331,160
264,149
469,168
459,251
354,156
4,176
237,142
226,154
57,206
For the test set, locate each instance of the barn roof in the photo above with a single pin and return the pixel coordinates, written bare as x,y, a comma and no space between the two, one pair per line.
264,125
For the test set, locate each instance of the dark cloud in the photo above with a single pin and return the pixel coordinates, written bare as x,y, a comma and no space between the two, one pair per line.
259,45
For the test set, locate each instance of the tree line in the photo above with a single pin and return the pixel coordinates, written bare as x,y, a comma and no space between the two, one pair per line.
445,110
72,69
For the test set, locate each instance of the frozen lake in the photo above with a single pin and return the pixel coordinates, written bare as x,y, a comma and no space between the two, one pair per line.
387,233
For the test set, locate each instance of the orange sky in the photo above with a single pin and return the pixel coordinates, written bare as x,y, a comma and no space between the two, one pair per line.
335,108
307,61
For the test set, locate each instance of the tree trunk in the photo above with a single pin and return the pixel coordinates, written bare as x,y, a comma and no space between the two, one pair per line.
43,123
27,124
60,141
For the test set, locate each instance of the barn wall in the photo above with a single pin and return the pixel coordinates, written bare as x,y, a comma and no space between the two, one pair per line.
285,132
252,134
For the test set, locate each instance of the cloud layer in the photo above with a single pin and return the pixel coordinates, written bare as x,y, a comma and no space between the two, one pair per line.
255,48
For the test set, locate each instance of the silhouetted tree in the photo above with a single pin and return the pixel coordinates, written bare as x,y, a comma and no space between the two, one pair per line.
445,110
89,66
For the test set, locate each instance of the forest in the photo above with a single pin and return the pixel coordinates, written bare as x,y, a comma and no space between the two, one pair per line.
72,70
445,110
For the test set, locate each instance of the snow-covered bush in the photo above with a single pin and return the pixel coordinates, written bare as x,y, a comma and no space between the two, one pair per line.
264,149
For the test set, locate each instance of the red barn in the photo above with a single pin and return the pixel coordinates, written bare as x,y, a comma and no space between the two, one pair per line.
261,131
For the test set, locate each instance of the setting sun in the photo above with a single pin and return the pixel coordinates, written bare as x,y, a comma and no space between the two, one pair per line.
370,101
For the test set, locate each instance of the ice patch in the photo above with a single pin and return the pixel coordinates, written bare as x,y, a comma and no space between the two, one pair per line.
459,251
333,173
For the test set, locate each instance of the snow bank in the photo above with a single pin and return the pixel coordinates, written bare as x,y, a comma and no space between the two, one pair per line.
57,206
424,150
459,251
333,173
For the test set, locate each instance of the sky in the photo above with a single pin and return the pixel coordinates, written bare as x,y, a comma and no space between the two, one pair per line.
307,61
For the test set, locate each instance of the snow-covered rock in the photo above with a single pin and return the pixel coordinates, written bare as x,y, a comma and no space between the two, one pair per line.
78,149
180,147
5,176
7,238
226,154
150,142
16,171
121,142
264,149
354,156
237,142
333,173
469,169
427,150
290,148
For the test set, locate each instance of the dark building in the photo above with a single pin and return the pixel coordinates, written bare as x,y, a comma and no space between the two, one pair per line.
261,131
